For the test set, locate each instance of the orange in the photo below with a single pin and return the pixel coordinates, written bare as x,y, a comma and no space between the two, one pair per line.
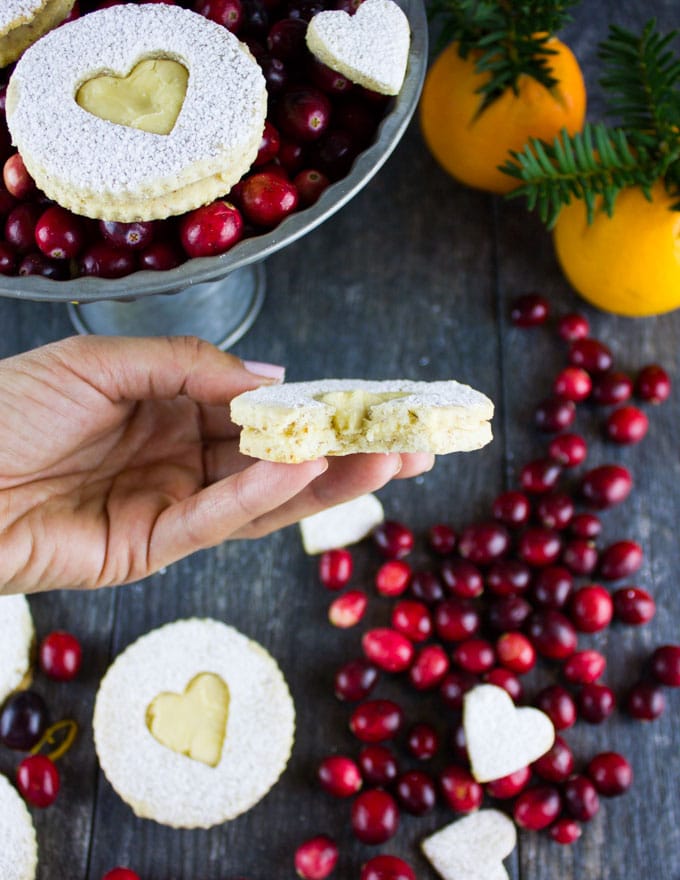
628,264
471,147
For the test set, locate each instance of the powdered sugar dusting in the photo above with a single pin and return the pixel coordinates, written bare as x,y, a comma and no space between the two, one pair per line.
223,110
18,11
171,788
18,845
16,637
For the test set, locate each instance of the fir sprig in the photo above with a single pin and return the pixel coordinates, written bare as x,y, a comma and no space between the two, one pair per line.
511,37
642,82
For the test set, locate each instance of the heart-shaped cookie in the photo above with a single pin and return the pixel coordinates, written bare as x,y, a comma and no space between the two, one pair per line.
193,723
472,848
369,48
501,738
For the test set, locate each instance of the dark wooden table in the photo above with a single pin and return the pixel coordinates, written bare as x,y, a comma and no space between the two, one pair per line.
412,279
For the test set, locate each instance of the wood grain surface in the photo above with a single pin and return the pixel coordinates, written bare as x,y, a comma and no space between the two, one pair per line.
411,279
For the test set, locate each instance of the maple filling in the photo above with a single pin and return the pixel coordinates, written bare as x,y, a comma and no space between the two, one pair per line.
353,408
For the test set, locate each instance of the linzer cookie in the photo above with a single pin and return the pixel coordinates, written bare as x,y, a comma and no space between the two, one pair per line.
22,22
193,724
16,641
18,844
305,420
137,112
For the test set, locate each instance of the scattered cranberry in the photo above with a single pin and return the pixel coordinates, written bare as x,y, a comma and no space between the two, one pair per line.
459,744
474,655
509,786
512,508
456,620
540,475
539,546
393,539
60,656
375,816
376,721
552,587
537,807
441,539
38,780
633,605
552,633
580,555
316,858
23,720
591,354
462,578
620,560
591,608
378,765
515,652
573,383
584,667
412,619
626,425
508,613
665,665
387,868
556,765
16,178
211,229
339,776
558,704
611,774
347,610
355,680
508,577
555,510
611,388
606,485
454,686
573,326
565,831
429,667
121,874
335,568
585,525
569,450
529,310
426,586
267,198
416,792
645,701
423,741
507,680
596,702
580,798
392,578
387,649
461,791
555,414
483,542
653,384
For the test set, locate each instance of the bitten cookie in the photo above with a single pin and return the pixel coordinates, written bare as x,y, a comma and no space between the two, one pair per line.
16,641
301,421
193,724
137,112
22,22
18,844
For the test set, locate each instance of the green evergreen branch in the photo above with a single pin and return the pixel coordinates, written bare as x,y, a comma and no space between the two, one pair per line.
511,36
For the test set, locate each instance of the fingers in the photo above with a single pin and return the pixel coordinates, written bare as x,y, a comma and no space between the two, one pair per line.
225,508
414,463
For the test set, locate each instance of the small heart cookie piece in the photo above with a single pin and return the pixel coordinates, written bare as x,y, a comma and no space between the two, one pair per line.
341,525
472,848
502,739
193,723
370,47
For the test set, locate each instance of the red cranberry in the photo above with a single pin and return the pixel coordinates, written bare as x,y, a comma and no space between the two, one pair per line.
596,702
611,388
573,326
585,525
416,792
121,873
286,39
357,118
355,680
20,227
552,587
580,798
59,234
392,578
483,542
304,113
529,310
555,510
412,619
269,145
626,425
459,744
339,776
335,568
347,610
135,236
423,741
591,354
665,665
316,858
645,701
266,199
606,485
515,652
461,791
327,79
508,613
554,414
426,586
455,620
441,539
591,608
611,774
512,508
462,578
540,475
569,450
584,667
558,704
376,720
334,153
474,655
556,765
255,18
633,605
507,680
17,180
103,260
653,384
454,686
378,765
387,868
393,540
539,546
509,786
620,560
275,74
60,656
565,831
537,807
553,635
38,780
309,184
387,649
580,556
429,667
228,13
23,720
375,816
211,229
8,259
508,577
573,383
160,256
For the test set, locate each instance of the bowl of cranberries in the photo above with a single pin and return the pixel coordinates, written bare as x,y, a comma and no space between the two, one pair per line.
323,140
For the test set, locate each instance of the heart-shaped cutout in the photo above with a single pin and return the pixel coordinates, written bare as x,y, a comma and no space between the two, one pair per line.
193,723
369,48
472,848
149,98
500,738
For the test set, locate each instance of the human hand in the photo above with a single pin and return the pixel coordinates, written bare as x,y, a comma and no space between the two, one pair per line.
117,457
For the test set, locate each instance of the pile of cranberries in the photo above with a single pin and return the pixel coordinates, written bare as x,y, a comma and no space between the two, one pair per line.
317,123
493,599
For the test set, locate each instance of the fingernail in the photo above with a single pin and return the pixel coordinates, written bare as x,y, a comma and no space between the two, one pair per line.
399,465
265,370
